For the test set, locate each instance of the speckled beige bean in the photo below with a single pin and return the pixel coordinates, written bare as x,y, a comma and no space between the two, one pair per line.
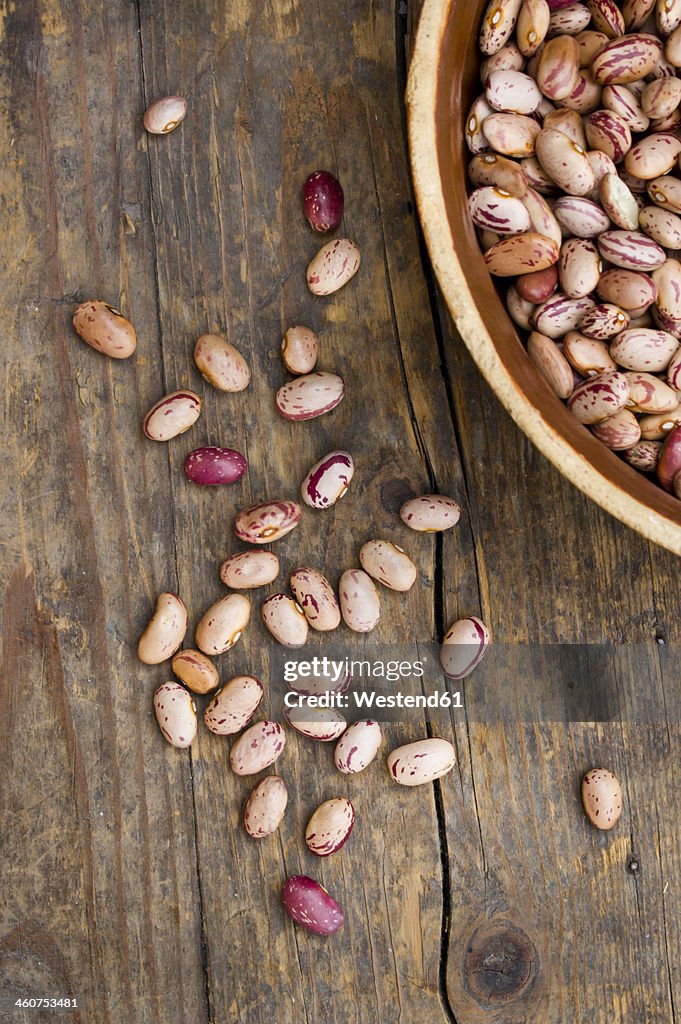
328,480
661,98
621,100
359,601
579,269
602,798
249,569
172,415
498,210
330,826
644,455
511,134
667,16
357,747
165,631
265,807
665,192
309,396
601,164
388,564
222,624
656,426
588,356
335,264
324,725
567,121
423,761
267,522
232,708
599,397
590,43
581,216
558,67
176,714
662,226
608,132
508,58
619,202
195,670
521,254
627,59
105,329
464,645
672,48
551,364
299,349
606,17
285,620
644,349
257,748
498,171
668,281
532,26
542,219
568,19
512,92
315,596
649,394
604,321
653,156
164,114
586,95
565,162
520,310
497,25
618,432
476,140
673,376
221,364
636,13
536,177
628,289
561,313
430,513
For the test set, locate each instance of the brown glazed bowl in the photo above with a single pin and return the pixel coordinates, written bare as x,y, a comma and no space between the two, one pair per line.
443,81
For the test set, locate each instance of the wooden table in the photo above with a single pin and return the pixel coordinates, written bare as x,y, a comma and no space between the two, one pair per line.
127,881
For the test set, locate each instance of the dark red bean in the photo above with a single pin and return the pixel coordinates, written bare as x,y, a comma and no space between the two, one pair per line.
322,201
307,903
212,466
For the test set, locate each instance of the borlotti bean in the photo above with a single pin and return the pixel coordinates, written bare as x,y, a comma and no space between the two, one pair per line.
644,455
359,601
580,216
653,156
165,631
172,415
357,747
299,350
257,748
512,92
195,670
546,356
423,761
542,222
265,807
588,356
565,162
475,136
309,396
213,466
221,364
669,462
570,19
562,313
608,132
510,134
249,569
314,594
666,193
602,322
508,58
520,311
532,26
606,17
602,798
569,122
389,564
330,826
498,210
618,432
430,513
628,289
232,708
285,620
323,201
335,264
619,202
579,268
644,349
621,100
627,59
328,480
494,169
674,371
105,329
163,115
558,67
463,647
599,397
308,904
648,394
631,250
321,724
267,522
222,624
176,714
656,426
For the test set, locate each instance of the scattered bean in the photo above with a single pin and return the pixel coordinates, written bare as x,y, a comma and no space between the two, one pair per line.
328,480
430,513
323,201
195,670
335,264
285,620
299,349
267,522
330,826
314,594
165,631
359,601
222,624
602,798
175,713
164,114
249,569
308,903
265,807
463,647
213,466
105,329
389,564
357,747
310,396
257,748
321,724
423,761
233,706
172,415
221,364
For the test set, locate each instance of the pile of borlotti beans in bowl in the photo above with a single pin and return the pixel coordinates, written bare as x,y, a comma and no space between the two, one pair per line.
576,143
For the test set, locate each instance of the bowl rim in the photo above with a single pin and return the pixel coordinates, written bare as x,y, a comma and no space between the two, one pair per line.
422,90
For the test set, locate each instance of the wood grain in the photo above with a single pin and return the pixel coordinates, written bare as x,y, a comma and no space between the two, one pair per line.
128,881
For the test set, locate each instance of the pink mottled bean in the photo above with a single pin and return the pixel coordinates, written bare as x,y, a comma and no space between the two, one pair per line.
232,707
328,480
335,264
357,747
176,714
421,762
172,415
359,601
330,826
599,397
257,748
310,396
267,522
618,432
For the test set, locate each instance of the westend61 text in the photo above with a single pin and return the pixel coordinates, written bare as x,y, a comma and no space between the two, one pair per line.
370,699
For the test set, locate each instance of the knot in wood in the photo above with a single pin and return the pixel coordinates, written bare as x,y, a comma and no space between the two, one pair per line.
500,964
